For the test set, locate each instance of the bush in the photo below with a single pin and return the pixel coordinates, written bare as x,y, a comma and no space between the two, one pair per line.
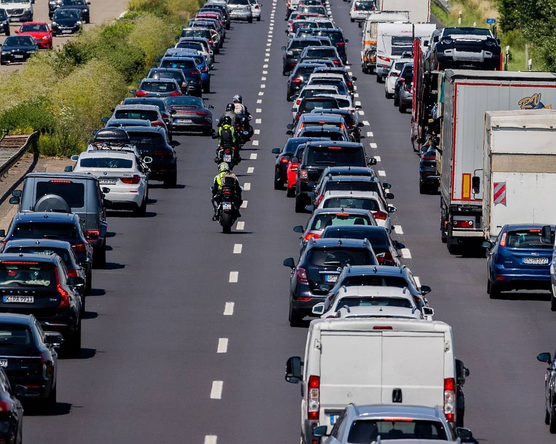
153,36
26,117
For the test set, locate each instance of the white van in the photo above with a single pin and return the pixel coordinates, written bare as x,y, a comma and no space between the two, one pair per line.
395,39
373,361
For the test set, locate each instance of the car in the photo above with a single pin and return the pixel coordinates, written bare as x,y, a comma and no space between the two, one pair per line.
240,10
403,88
190,114
40,31
429,176
200,61
17,49
4,22
170,73
66,21
333,171
348,79
152,142
203,35
549,390
118,123
336,36
82,5
321,52
351,120
80,273
141,111
392,76
39,285
65,195
220,7
318,10
29,367
122,173
312,119
18,10
160,104
293,50
360,9
308,104
385,248
330,78
325,132
311,91
377,423
298,78
188,65
518,259
332,217
157,88
256,9
213,35
321,263
198,44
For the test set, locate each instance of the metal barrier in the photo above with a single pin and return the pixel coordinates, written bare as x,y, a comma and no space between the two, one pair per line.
444,5
12,149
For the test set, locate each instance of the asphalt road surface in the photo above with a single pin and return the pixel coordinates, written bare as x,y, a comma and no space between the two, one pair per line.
186,336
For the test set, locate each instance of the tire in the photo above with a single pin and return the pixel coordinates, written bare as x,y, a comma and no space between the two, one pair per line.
73,346
546,416
141,210
8,32
299,204
172,181
493,290
552,300
552,421
294,318
226,221
250,20
48,406
290,192
352,20
89,285
206,89
377,78
402,108
99,257
259,18
422,188
396,100
277,183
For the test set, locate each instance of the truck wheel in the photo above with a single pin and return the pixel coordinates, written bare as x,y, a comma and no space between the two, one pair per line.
453,246
552,300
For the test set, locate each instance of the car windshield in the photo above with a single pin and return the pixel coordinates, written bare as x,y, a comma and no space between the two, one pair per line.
64,254
47,230
322,221
145,138
196,33
184,101
190,45
73,2
72,192
526,239
238,2
332,135
368,301
19,41
318,53
15,335
376,237
401,45
65,14
136,114
333,155
105,162
367,430
158,86
352,185
37,27
377,281
341,258
365,6
352,202
463,31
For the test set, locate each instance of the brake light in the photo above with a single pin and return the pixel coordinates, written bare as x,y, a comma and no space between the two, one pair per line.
175,93
336,62
298,101
91,234
383,327
160,153
296,80
64,295
319,200
210,42
342,214
463,224
340,44
157,123
385,257
310,236
60,181
202,113
303,175
301,275
450,399
297,116
140,93
205,69
381,215
72,273
256,6
131,180
313,398
284,160
80,248
503,240
396,419
5,406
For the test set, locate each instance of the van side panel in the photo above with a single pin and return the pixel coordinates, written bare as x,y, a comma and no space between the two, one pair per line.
414,363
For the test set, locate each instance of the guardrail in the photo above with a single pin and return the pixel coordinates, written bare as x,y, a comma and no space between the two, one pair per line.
12,149
444,5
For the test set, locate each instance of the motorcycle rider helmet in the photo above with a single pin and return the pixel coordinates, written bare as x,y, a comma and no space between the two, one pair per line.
237,99
226,120
223,167
230,107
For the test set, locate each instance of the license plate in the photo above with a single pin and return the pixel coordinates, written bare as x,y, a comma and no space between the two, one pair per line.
19,299
226,206
184,121
66,31
535,260
331,278
107,181
3,363
227,157
18,56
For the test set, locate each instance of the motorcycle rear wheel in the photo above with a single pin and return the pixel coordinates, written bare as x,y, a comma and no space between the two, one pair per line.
226,220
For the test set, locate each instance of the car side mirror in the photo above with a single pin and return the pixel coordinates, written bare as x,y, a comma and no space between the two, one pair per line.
298,229
20,391
318,309
175,143
398,245
289,262
276,151
283,48
77,282
547,236
311,195
435,39
309,208
293,370
476,184
133,91
2,233
287,73
289,132
319,431
389,195
360,124
425,289
68,169
371,161
16,31
14,200
354,78
358,107
465,435
54,339
544,357
105,119
428,311
487,245
386,186
392,209
108,203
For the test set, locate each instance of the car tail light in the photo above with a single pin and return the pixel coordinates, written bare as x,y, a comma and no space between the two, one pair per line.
131,180
298,101
303,175
381,215
256,6
64,295
383,327
463,224
5,406
450,399
91,235
301,275
297,116
162,153
336,62
210,42
313,398
340,44
296,80
194,72
503,240
310,236
385,257
294,166
72,273
175,93
202,113
157,123
319,200
183,85
284,160
80,248
140,93
60,181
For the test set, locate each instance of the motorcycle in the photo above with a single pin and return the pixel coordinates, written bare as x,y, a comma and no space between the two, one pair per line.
228,155
244,130
227,211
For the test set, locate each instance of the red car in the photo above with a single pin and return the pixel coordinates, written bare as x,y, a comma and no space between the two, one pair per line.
40,31
291,172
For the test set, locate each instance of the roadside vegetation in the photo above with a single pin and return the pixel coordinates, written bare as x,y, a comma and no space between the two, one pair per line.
65,93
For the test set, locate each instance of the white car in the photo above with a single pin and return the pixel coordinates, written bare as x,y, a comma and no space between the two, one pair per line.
366,200
360,9
121,173
366,312
310,91
393,74
256,9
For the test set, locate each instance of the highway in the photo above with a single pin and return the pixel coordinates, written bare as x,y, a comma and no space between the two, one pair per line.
187,336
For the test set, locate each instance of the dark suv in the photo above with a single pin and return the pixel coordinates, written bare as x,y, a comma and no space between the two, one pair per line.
336,36
318,156
293,51
189,69
319,266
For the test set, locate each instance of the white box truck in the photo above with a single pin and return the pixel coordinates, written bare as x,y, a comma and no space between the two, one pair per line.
519,173
419,10
464,98
373,361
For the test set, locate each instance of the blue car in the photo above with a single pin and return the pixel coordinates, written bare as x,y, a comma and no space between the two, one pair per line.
200,61
519,260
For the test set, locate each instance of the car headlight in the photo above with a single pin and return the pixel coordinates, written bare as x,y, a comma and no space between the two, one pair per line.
447,41
490,43
46,37
53,24
78,23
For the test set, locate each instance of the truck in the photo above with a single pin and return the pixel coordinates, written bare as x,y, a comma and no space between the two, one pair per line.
519,171
464,96
375,361
419,10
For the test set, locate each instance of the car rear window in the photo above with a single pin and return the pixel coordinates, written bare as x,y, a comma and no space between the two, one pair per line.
380,281
334,36
305,71
337,219
42,251
332,135
48,230
190,45
401,44
72,192
168,75
26,274
15,335
136,114
309,105
146,138
333,155
526,239
352,185
352,202
340,257
180,64
367,430
367,301
158,86
105,162
321,53
378,237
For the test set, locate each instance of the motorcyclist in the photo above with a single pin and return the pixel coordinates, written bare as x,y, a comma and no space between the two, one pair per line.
225,178
227,138
230,112
243,115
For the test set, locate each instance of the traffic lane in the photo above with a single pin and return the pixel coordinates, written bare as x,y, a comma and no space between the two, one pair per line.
156,328
498,340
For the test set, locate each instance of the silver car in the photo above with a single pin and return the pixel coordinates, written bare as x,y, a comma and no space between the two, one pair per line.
240,10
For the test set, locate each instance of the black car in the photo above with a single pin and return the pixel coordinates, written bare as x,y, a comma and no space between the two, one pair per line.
189,69
385,248
4,22
549,390
351,119
17,48
190,114
39,285
30,362
293,51
299,77
337,39
66,21
321,52
319,266
81,5
80,274
429,176
151,142
170,73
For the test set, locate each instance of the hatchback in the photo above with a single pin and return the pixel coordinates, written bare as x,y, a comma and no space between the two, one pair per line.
157,88
293,51
321,52
40,31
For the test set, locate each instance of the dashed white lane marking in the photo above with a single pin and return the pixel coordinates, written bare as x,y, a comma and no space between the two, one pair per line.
267,60
247,186
265,66
222,345
269,40
216,390
366,123
263,79
238,248
398,229
261,93
259,110
258,120
265,72
406,254
357,103
255,143
373,145
229,308
250,170
259,101
382,173
361,112
355,87
211,439
378,159
269,44
244,204
263,86
417,280
257,131
234,276
240,226
370,134
356,95
253,156
350,73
